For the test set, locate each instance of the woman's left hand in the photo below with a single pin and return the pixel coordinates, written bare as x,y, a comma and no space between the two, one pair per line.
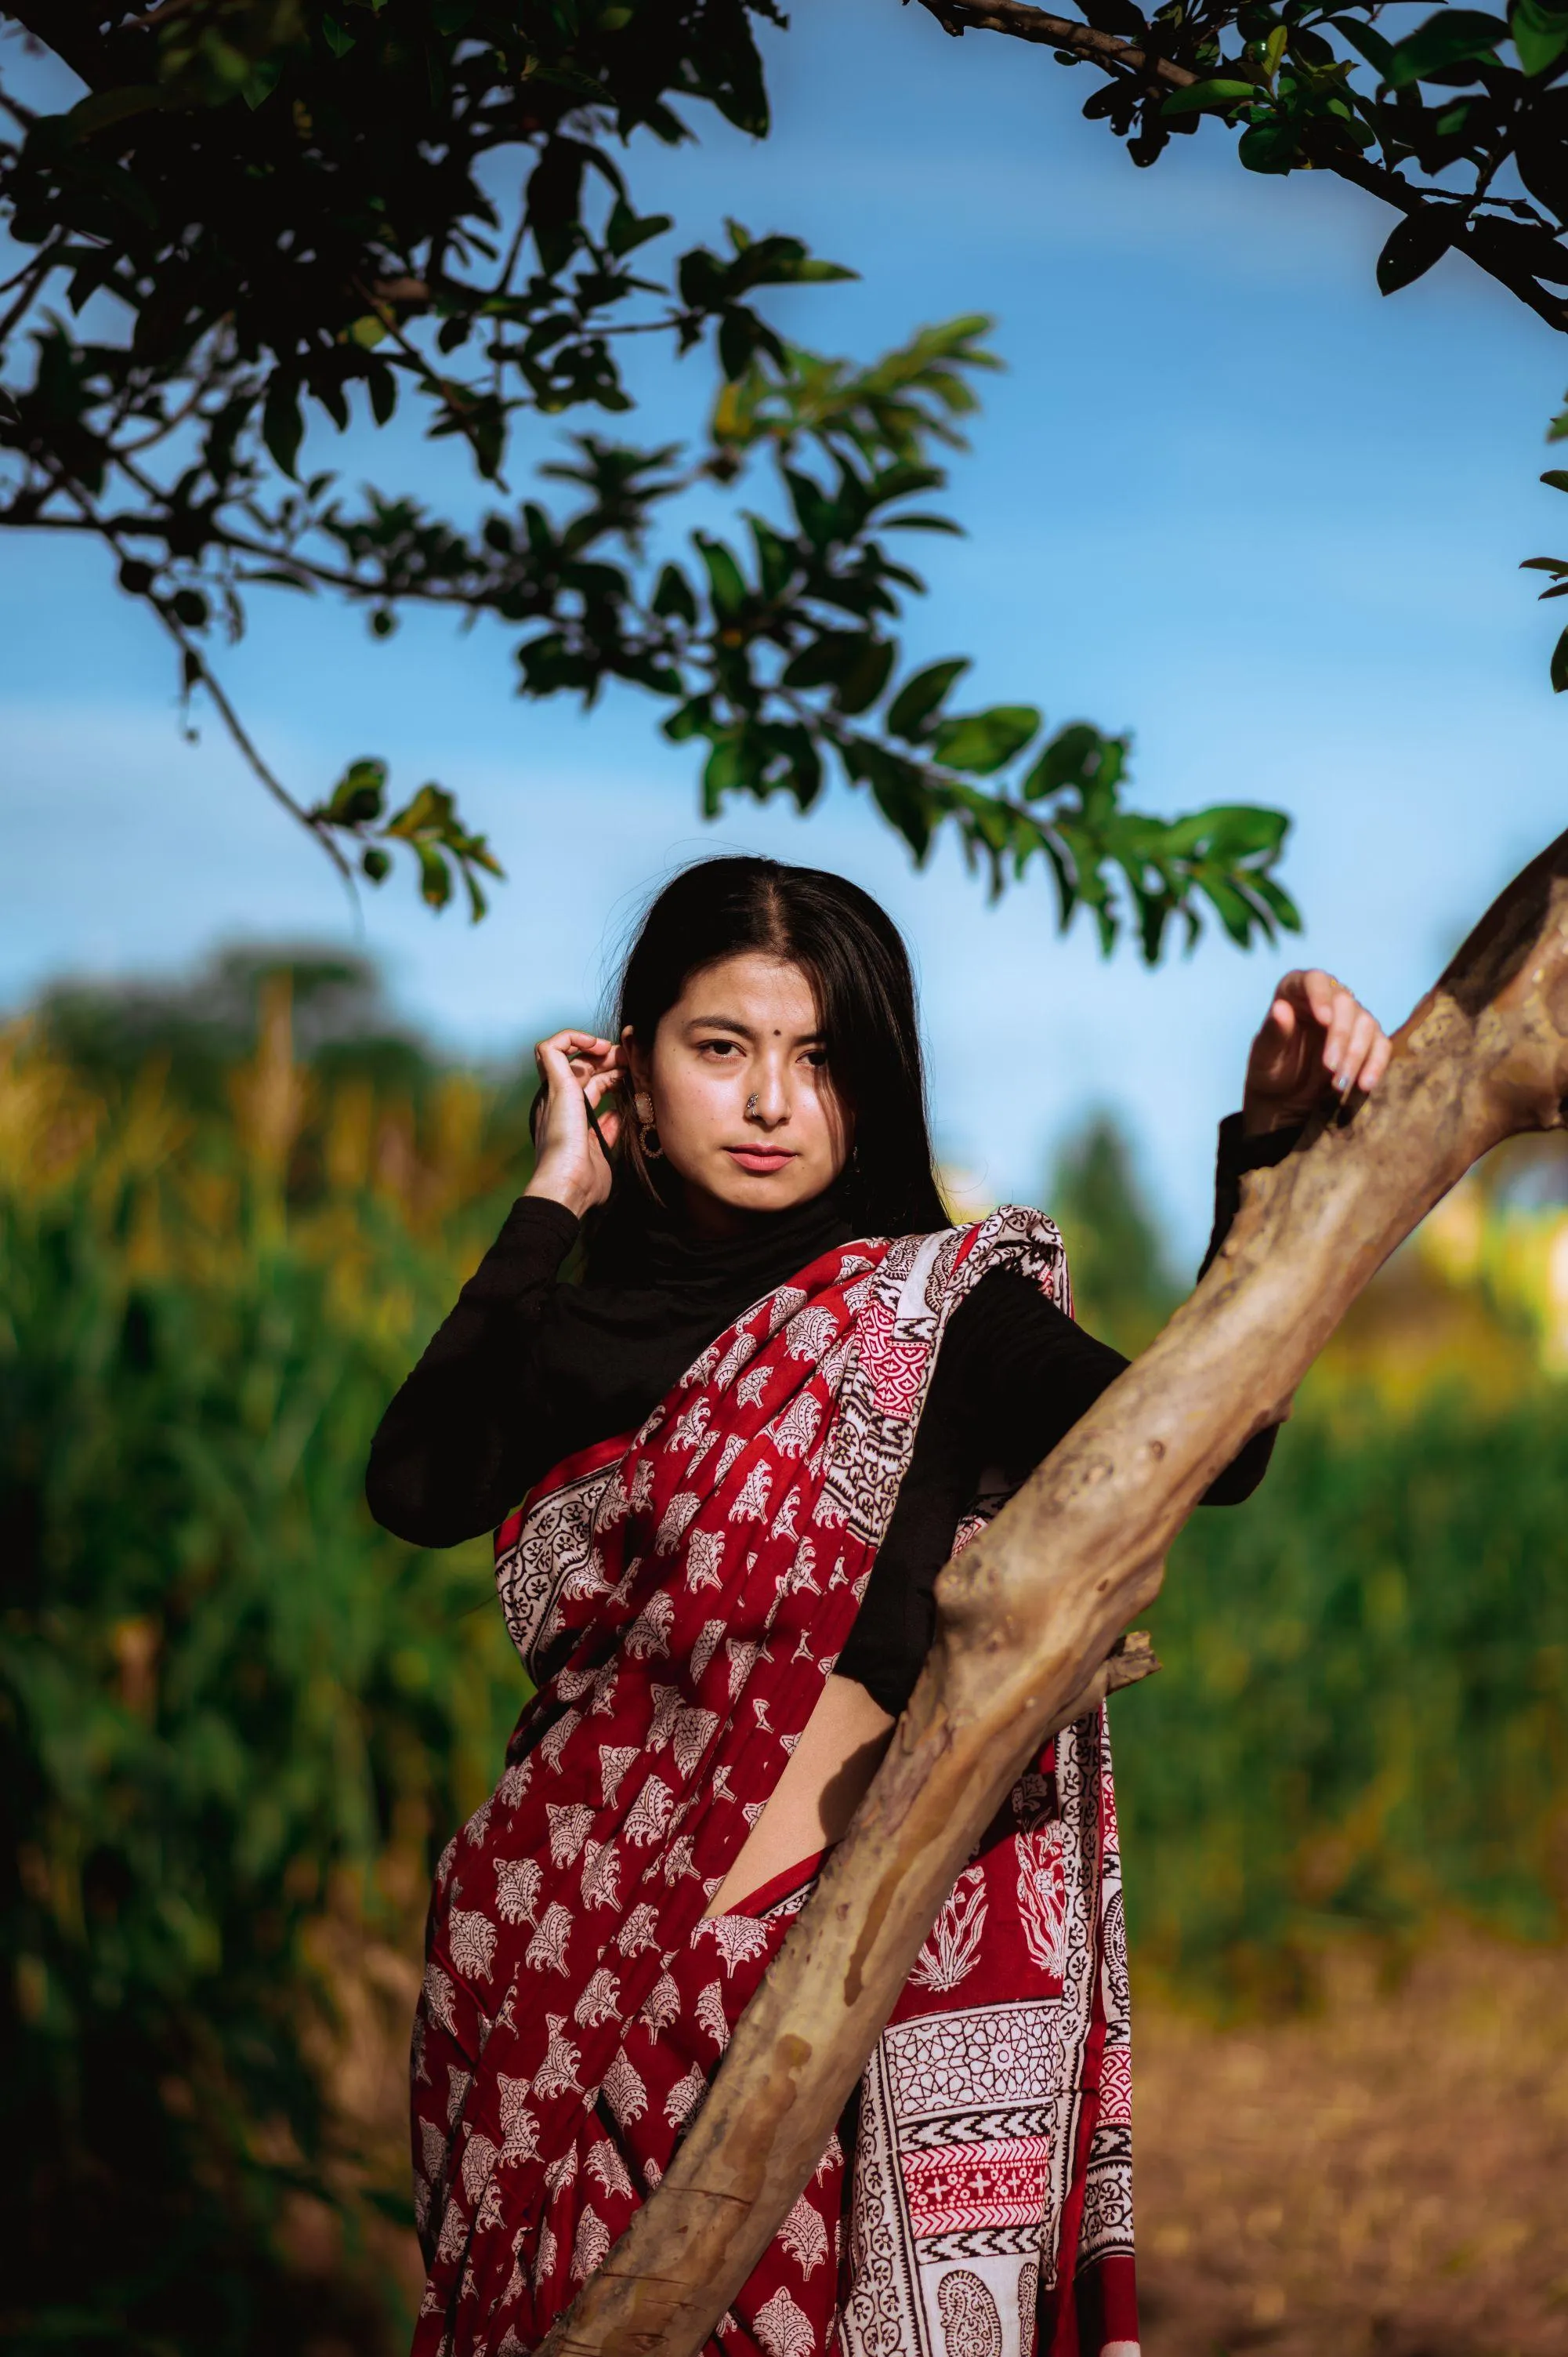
1317,1037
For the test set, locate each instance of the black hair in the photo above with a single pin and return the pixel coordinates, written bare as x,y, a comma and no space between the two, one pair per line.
855,959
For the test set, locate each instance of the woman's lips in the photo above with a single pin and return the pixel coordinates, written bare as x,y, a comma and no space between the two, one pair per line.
760,1159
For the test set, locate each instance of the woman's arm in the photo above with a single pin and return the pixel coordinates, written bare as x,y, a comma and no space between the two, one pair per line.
1014,1374
471,1428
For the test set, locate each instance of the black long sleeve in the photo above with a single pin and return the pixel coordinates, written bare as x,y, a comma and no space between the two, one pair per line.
527,1370
1013,1376
478,1421
473,1427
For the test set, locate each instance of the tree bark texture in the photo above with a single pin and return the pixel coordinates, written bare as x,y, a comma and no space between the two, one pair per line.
1029,1614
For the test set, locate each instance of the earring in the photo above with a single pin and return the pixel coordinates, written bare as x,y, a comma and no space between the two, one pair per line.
648,1137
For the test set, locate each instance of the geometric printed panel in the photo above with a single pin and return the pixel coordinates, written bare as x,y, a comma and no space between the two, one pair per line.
995,2055
955,2188
982,2242
977,2128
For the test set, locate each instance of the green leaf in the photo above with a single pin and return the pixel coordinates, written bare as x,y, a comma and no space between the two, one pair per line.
898,790
740,333
1231,907
1540,35
358,796
817,515
625,232
910,710
431,809
1414,243
282,427
982,742
693,718
827,659
257,87
1229,832
1077,756
805,778
382,384
1276,898
1451,38
922,521
775,557
674,599
1368,42
1269,147
435,876
863,682
1560,665
1557,476
725,580
109,106
1219,93
375,863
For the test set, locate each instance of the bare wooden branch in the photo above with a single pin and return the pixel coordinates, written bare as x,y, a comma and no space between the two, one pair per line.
1029,1614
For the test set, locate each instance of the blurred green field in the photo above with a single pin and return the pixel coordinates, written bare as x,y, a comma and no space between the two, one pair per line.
239,1721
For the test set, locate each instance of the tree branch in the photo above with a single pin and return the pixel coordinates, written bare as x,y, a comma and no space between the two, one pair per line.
1026,23
197,671
1032,1607
1383,180
78,44
1020,22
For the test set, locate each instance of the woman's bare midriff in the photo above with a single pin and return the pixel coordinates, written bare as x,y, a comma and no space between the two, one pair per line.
813,1801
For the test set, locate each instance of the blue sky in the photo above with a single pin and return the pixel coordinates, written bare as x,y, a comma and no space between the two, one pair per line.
1225,495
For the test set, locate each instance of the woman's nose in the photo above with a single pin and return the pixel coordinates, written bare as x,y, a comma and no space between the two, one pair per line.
769,1102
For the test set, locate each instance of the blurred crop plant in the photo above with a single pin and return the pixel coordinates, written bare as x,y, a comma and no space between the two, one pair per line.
236,1717
1359,1731
1505,1230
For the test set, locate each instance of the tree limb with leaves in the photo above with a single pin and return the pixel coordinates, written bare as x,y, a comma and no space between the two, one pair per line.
1461,125
265,219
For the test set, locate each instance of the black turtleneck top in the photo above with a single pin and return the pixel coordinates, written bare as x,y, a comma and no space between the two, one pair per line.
527,1369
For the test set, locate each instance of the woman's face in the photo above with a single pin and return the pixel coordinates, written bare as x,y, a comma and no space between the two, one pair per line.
746,1112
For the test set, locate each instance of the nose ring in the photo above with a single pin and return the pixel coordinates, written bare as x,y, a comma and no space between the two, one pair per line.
751,1105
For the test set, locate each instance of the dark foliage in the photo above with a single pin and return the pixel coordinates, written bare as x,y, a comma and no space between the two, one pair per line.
1460,122
1122,1281
266,215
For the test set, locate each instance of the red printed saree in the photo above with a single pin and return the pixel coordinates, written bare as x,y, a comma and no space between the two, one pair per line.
682,1598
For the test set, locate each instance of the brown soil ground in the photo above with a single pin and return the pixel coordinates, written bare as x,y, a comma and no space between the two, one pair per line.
1386,2179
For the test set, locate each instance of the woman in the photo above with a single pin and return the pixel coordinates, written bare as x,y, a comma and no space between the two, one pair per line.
783,1390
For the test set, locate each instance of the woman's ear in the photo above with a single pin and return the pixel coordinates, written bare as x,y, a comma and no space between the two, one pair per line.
634,1058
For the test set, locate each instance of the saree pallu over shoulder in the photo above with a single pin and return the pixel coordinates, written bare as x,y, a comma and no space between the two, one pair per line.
680,1597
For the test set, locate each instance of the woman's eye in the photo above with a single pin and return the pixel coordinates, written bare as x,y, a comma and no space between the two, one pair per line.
722,1048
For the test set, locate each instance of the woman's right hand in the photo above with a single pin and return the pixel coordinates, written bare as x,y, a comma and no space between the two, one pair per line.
577,1070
